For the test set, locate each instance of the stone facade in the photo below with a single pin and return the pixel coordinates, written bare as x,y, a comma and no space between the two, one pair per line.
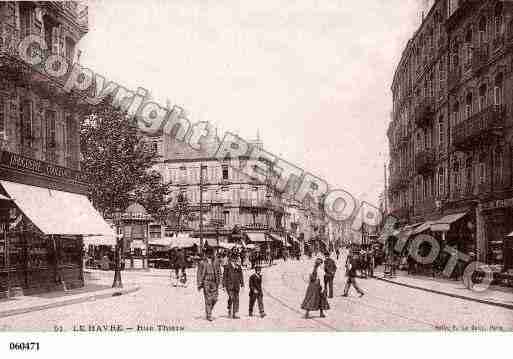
450,134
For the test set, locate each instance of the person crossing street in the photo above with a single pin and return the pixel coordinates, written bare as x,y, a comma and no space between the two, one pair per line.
233,281
255,292
330,268
351,276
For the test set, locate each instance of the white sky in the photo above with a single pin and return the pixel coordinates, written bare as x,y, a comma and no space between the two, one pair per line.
313,76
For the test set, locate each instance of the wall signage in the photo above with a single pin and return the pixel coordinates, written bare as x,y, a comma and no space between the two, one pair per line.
15,161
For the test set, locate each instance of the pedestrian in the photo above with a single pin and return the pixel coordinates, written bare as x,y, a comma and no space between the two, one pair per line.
180,266
330,269
208,279
315,297
337,252
255,292
233,281
372,262
351,276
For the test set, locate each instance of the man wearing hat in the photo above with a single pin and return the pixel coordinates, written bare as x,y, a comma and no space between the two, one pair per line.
255,292
208,278
233,281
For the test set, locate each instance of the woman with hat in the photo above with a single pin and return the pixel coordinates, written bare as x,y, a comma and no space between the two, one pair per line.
315,297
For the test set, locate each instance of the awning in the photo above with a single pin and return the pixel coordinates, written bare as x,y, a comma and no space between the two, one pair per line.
3,198
184,241
422,228
444,223
256,237
163,241
137,243
99,241
277,237
57,212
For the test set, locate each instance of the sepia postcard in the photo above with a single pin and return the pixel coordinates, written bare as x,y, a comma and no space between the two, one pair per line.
255,166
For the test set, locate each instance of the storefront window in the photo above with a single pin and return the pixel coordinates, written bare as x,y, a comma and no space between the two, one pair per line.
70,251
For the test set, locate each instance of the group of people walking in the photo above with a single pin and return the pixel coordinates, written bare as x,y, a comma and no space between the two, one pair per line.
211,275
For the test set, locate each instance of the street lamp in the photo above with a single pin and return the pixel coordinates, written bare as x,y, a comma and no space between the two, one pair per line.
117,283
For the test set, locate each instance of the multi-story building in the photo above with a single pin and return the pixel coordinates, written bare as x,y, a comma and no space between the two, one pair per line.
44,211
450,134
230,198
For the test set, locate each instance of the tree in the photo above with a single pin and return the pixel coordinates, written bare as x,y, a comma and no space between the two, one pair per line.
180,212
117,162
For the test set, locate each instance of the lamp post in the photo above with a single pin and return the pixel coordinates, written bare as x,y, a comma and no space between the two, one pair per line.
117,283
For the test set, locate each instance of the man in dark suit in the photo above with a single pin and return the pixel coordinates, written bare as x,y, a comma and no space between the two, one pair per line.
233,281
330,269
255,292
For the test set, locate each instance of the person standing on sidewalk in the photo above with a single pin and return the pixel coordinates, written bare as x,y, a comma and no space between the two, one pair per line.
208,279
330,269
351,277
255,292
233,281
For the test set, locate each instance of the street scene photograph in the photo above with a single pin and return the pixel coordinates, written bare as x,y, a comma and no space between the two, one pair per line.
255,166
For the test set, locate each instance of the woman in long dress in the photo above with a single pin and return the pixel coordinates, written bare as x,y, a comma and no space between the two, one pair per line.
315,298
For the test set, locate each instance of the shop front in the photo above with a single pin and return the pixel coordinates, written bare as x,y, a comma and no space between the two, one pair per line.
44,216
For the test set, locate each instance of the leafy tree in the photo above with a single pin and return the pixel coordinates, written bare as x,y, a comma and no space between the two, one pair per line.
118,163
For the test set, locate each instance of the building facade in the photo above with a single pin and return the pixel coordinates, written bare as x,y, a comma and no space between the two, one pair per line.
44,211
230,198
450,132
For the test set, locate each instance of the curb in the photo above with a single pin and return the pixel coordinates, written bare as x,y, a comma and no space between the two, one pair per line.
70,301
482,301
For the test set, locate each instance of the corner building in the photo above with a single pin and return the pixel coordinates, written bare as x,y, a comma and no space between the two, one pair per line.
44,211
450,135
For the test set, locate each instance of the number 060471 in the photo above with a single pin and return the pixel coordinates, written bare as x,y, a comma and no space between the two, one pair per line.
24,346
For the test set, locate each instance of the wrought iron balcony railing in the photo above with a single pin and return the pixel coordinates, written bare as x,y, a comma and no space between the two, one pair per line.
424,112
478,127
425,161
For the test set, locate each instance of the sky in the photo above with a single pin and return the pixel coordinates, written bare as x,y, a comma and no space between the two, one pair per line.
312,77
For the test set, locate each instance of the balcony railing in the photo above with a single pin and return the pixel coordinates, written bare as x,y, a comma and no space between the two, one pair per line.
454,78
399,181
424,112
253,203
425,161
480,58
478,127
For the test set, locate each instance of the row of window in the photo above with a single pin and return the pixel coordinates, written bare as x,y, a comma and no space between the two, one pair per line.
465,176
226,194
486,31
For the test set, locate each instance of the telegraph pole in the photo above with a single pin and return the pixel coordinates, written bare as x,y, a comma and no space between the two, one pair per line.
201,210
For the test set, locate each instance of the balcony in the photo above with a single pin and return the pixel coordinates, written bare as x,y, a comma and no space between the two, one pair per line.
478,127
424,112
425,162
454,78
253,203
479,58
399,181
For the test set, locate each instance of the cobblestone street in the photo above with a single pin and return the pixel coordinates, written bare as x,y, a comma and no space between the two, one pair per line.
384,307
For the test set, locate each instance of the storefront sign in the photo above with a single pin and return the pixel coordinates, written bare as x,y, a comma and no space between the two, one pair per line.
15,161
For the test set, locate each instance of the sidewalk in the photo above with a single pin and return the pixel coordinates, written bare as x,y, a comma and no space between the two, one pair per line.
495,295
31,303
